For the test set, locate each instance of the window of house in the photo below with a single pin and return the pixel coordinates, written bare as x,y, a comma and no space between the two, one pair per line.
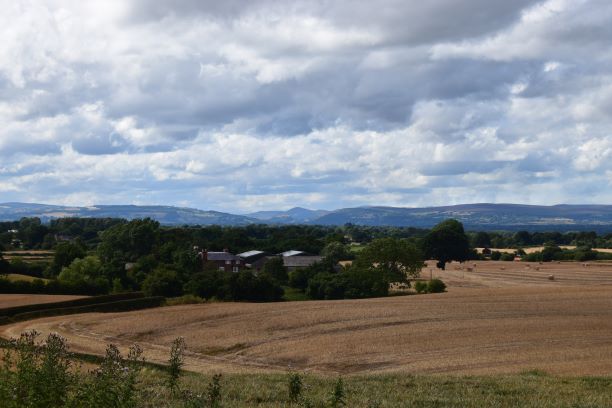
228,262
235,269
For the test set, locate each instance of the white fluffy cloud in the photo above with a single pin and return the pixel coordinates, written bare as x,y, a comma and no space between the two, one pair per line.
242,106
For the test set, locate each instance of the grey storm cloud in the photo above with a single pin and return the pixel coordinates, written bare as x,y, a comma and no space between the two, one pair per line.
244,105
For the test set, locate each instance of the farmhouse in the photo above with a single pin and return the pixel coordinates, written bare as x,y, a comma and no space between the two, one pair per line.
225,261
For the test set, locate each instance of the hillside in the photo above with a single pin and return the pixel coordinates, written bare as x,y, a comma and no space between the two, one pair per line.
473,216
480,216
164,214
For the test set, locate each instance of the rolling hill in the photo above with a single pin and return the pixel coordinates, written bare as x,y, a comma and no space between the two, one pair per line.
473,216
164,214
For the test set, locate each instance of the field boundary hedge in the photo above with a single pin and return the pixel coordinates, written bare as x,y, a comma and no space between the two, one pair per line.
12,311
119,306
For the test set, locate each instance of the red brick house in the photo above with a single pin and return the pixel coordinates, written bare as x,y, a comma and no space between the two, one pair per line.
224,260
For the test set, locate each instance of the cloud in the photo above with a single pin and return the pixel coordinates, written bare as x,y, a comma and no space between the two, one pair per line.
240,106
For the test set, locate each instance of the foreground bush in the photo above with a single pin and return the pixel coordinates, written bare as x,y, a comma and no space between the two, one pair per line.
43,375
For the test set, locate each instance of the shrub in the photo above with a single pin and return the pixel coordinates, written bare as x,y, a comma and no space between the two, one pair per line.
338,395
176,362
35,375
436,286
295,387
184,300
420,287
113,384
213,392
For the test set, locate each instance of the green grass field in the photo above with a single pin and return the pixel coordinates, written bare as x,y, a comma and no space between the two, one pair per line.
530,389
356,248
13,277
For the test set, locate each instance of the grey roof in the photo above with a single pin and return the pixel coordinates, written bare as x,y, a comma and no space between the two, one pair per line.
249,254
300,261
221,256
292,252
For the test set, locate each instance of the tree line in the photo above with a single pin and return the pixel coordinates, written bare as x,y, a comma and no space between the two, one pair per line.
143,255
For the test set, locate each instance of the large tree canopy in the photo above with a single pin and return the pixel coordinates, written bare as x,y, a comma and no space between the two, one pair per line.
395,259
446,242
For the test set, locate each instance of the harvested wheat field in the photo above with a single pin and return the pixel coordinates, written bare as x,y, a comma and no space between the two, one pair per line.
478,274
22,300
563,330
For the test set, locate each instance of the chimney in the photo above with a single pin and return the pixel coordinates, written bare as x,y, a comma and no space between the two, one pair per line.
204,255
225,250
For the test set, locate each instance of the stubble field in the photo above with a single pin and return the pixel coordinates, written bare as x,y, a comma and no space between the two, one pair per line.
12,300
491,321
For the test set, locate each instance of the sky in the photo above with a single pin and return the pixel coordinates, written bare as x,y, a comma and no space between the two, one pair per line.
241,106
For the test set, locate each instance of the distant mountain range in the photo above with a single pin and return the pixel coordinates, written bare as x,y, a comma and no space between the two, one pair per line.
473,216
164,214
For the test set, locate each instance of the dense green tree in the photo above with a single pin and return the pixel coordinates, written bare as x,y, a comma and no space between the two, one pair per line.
205,284
163,282
4,265
65,253
129,241
299,278
482,240
32,232
244,285
446,242
523,238
85,271
275,268
353,283
396,260
336,251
